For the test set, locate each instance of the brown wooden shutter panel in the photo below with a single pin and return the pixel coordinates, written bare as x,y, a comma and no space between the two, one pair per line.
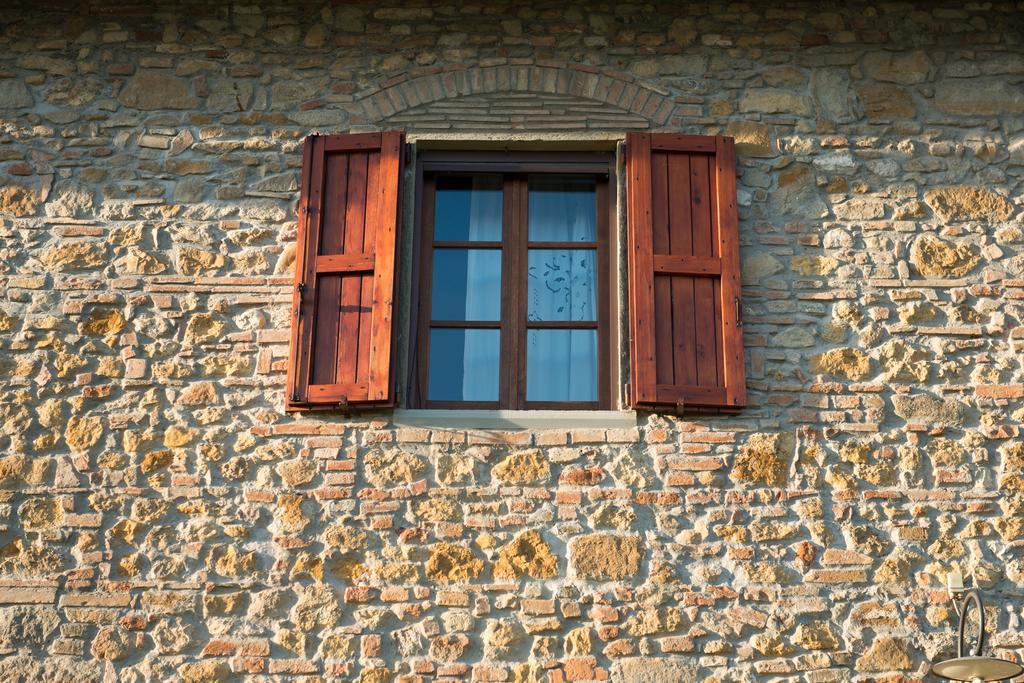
686,343
342,312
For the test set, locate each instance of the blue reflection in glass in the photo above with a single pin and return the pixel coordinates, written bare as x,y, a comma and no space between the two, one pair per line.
463,365
466,284
468,208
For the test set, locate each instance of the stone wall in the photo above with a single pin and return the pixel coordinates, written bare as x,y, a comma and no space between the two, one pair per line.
163,518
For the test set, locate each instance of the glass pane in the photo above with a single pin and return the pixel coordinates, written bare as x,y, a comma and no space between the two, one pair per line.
562,209
561,365
562,284
466,284
463,365
468,208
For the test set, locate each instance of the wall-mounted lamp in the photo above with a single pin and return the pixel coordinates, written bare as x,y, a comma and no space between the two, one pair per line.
974,668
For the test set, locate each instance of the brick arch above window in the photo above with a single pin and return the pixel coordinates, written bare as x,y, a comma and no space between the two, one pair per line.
501,112
635,102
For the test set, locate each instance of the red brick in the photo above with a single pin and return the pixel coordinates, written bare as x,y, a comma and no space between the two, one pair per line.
999,391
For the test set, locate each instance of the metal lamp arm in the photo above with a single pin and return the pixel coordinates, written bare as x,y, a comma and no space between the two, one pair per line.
975,597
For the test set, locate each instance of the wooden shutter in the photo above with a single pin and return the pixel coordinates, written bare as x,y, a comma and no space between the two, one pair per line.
340,353
686,343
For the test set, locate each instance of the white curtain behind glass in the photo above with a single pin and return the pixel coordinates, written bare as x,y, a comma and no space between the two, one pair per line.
561,364
479,379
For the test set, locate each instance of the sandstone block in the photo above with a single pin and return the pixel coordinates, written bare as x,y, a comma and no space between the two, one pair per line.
775,101
815,635
935,257
317,607
759,266
289,514
885,102
110,644
797,195
860,210
177,436
198,394
202,328
605,557
764,458
528,554
968,203
1011,478
75,91
41,513
651,621
904,363
897,67
103,322
337,646
979,96
850,363
449,648
653,670
793,338
388,467
16,200
70,201
192,261
74,256
27,625
231,562
523,467
450,563
136,261
297,472
151,89
832,93
929,410
205,672
14,94
810,266
155,460
752,139
83,432
500,637
885,654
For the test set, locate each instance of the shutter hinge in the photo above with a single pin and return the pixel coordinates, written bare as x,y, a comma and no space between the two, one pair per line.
739,313
301,289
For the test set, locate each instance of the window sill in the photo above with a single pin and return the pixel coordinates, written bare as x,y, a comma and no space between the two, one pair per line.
516,419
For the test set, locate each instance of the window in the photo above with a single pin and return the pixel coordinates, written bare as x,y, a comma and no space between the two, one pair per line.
513,300
513,291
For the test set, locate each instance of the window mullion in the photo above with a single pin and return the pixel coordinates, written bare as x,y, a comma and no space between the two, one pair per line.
508,383
522,284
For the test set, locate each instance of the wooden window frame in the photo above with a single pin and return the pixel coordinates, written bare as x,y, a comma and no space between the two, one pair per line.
514,167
